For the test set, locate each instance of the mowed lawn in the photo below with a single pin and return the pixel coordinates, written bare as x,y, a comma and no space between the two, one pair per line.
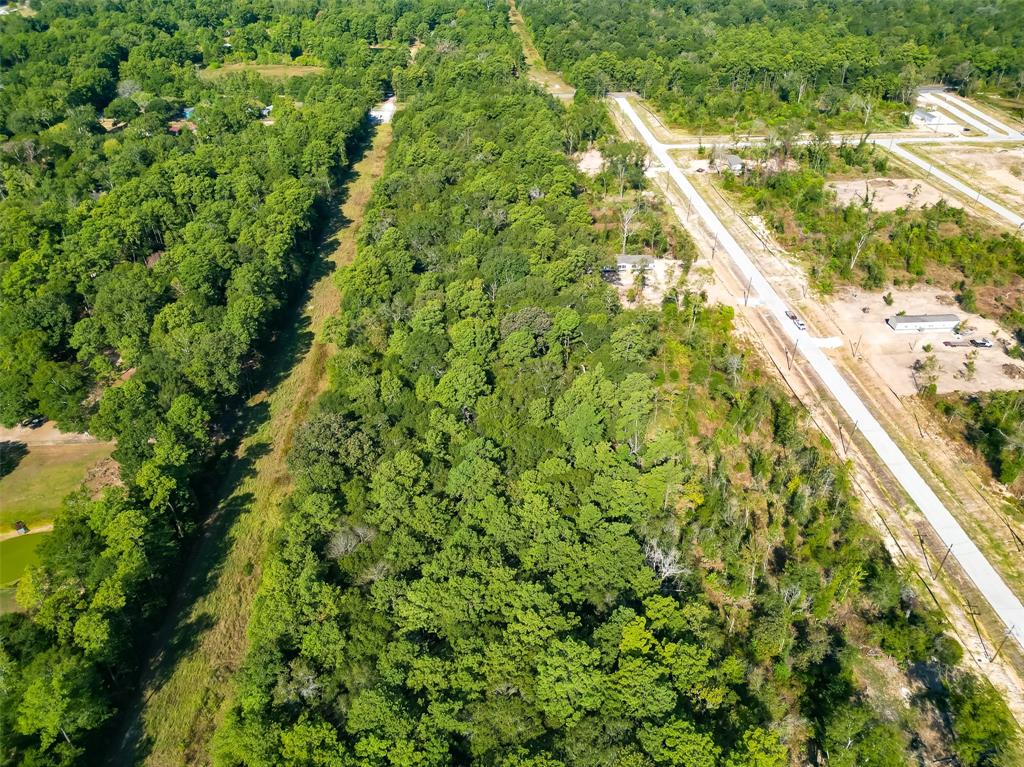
33,492
269,71
15,555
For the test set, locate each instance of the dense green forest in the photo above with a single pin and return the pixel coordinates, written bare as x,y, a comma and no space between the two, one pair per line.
532,528
744,63
993,423
154,225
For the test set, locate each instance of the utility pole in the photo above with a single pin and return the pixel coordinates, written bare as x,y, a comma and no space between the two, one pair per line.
974,619
924,553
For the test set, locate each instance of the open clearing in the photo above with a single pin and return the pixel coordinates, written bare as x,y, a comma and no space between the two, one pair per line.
185,688
269,71
15,555
892,354
888,194
660,276
997,169
33,492
590,162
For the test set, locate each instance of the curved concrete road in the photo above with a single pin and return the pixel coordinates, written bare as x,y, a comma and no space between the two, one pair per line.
956,104
1003,601
933,100
972,194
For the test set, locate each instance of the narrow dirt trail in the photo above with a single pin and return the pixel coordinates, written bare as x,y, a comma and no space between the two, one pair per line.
552,82
188,680
34,530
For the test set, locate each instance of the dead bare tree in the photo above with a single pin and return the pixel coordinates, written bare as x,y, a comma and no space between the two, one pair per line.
629,215
664,562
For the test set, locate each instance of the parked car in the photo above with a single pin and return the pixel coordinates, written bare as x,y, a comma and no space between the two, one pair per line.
982,343
800,324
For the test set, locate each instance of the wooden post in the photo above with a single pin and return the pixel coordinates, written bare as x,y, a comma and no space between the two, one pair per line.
916,419
974,619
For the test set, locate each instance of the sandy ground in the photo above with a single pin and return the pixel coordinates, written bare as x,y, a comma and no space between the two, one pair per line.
888,194
590,162
892,354
663,275
47,434
1000,167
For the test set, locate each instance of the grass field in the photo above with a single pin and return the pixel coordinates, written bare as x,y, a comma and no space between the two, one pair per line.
188,685
15,555
269,71
34,490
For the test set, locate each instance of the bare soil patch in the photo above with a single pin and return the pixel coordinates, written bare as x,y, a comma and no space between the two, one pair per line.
860,316
888,194
590,162
998,170
660,276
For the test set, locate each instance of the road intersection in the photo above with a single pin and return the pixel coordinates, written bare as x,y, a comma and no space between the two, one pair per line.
1006,605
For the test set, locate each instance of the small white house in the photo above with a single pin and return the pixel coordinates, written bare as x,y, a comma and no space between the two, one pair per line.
919,323
927,118
630,262
734,163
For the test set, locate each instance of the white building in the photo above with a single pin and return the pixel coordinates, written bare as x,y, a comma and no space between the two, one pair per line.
734,163
634,263
919,323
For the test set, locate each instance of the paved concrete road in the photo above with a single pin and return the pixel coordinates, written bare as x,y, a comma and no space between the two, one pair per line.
972,194
1003,601
934,100
966,106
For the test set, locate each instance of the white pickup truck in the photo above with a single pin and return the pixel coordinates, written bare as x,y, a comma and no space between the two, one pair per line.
800,324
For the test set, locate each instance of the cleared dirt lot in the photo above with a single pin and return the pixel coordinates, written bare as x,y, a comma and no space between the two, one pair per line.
892,355
998,169
888,194
590,162
662,275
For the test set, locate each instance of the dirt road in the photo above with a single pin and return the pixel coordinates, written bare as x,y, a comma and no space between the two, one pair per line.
46,434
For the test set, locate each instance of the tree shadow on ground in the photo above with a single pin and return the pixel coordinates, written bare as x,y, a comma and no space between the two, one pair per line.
11,454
